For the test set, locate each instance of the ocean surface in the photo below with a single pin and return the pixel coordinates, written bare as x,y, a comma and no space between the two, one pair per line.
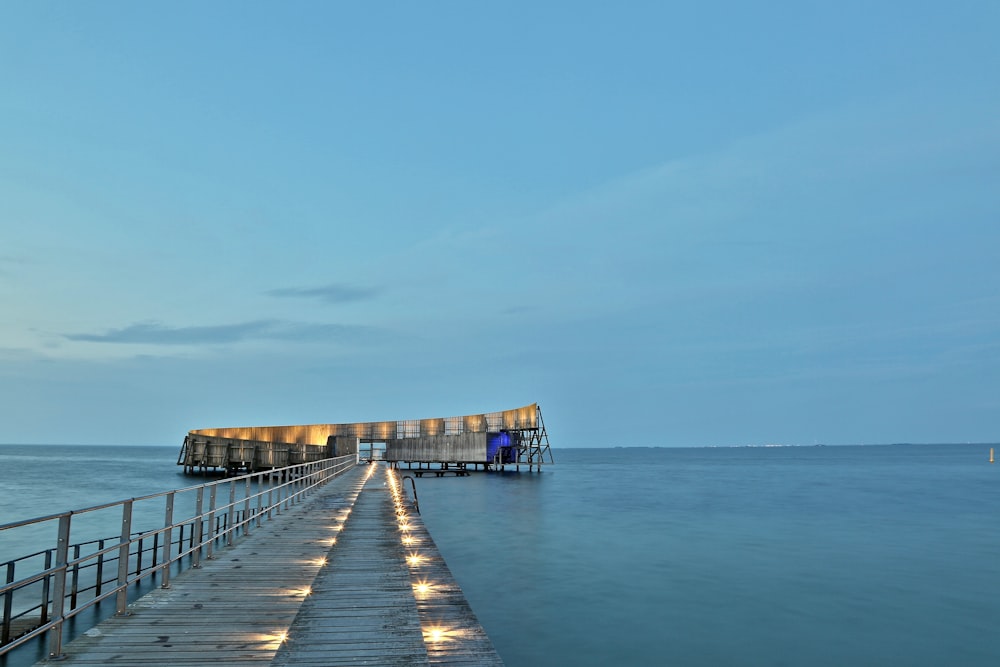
863,555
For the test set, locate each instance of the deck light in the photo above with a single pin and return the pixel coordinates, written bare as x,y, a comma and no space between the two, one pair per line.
436,633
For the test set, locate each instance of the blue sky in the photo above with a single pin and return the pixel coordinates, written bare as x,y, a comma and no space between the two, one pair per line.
711,223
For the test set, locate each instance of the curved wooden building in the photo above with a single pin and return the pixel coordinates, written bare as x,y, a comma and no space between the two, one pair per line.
491,439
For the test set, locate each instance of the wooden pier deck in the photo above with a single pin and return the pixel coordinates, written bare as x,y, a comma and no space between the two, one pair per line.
344,578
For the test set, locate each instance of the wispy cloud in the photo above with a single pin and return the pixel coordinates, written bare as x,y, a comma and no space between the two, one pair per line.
333,293
9,261
155,333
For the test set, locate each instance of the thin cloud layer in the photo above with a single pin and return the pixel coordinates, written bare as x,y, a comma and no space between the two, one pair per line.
333,293
8,262
155,333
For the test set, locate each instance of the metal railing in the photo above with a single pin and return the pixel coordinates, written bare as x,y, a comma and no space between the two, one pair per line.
66,579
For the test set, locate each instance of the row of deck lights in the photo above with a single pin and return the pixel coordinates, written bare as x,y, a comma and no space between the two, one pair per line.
338,526
422,588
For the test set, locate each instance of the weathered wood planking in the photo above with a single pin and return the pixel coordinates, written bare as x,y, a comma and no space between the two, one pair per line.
453,634
328,583
362,609
236,608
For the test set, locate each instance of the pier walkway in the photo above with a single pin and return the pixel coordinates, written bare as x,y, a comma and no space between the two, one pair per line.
348,577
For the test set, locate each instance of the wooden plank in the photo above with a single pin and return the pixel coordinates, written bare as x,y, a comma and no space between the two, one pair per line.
367,571
326,583
238,606
453,634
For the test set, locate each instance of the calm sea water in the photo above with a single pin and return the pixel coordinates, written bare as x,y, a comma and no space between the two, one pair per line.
876,555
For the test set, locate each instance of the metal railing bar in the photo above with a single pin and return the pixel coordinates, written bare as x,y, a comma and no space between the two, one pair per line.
94,508
70,577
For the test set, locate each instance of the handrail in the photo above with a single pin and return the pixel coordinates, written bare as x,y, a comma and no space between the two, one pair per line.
50,594
160,494
413,484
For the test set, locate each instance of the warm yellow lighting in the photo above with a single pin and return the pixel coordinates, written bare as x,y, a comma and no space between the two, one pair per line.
436,633
409,539
414,559
320,561
404,527
422,587
271,641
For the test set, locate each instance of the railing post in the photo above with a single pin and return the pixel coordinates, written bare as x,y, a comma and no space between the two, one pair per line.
8,605
270,494
168,522
121,599
260,499
46,588
75,583
246,507
139,551
100,569
197,528
280,484
210,542
59,592
231,515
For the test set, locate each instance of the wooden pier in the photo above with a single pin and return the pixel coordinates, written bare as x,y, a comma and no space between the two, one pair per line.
350,576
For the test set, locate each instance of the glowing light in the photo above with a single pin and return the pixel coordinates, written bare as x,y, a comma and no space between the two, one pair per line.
436,634
422,587
414,559
409,539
